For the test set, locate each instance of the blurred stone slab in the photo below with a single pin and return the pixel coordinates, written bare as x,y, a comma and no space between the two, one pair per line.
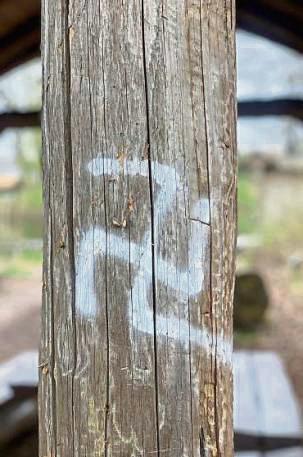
17,375
266,412
18,397
292,452
249,454
246,242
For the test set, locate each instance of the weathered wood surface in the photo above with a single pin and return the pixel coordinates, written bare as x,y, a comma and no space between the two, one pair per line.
139,186
266,411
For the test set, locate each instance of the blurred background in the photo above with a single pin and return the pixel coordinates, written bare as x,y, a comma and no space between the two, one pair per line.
269,287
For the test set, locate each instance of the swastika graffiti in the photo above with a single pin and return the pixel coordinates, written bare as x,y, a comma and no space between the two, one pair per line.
188,282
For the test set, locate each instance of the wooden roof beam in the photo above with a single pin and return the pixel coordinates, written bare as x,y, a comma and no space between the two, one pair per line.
252,108
277,107
20,44
19,120
268,19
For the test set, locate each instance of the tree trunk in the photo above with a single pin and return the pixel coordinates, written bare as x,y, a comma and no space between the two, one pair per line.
139,188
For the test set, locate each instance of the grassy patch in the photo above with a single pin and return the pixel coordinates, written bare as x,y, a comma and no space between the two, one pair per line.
32,256
296,283
247,204
31,197
21,265
245,339
14,271
284,233
21,213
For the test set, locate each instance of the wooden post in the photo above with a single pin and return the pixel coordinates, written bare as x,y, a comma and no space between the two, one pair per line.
139,188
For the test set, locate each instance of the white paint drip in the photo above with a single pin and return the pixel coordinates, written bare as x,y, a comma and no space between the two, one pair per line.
186,283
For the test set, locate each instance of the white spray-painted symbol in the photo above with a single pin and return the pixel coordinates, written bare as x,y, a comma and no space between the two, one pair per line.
187,283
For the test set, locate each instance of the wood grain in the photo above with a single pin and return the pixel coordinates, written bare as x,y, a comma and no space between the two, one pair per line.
139,191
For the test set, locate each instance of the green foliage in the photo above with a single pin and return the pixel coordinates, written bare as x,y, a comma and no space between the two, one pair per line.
33,256
22,214
284,233
247,204
13,271
20,265
275,214
31,197
245,338
21,210
29,155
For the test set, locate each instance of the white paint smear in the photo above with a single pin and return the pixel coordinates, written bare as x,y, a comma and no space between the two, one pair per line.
186,283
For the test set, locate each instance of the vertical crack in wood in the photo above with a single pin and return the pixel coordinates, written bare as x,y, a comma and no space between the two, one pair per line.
51,304
48,279
207,156
202,443
226,9
106,412
145,70
188,218
70,193
190,358
212,314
